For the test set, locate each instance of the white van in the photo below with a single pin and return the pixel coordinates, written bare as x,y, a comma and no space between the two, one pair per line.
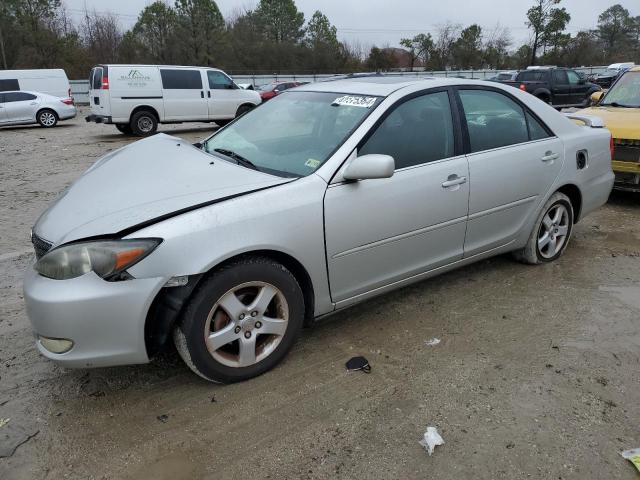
137,97
50,81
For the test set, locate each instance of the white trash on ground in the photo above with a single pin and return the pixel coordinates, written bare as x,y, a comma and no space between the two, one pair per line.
431,439
432,342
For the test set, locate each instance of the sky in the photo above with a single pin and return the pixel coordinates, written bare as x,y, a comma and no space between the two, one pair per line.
385,22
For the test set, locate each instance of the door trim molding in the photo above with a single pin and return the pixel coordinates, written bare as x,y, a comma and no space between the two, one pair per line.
499,208
401,236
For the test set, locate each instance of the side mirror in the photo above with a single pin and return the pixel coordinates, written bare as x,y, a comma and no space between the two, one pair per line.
596,97
369,167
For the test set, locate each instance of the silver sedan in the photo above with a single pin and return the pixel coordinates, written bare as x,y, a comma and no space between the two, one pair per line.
326,196
23,108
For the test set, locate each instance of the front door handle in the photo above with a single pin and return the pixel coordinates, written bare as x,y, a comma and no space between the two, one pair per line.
209,93
201,94
454,180
550,157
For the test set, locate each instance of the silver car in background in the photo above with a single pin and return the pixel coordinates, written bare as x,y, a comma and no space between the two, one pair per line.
23,108
326,196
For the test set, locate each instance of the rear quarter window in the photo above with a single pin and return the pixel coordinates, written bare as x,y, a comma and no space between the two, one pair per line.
181,79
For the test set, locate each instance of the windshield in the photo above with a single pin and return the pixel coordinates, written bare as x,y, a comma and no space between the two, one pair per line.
611,71
625,92
293,134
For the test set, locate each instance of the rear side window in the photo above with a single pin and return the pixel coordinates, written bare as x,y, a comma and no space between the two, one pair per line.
418,131
181,79
493,120
9,84
532,76
574,78
18,97
218,80
560,77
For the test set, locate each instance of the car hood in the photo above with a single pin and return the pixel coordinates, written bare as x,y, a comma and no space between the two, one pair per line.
148,180
622,122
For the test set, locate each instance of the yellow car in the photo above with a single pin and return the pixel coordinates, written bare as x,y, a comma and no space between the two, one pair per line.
619,108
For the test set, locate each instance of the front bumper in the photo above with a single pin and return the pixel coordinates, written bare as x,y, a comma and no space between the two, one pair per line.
98,118
105,320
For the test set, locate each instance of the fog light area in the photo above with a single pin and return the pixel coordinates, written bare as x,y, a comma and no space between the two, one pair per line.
55,345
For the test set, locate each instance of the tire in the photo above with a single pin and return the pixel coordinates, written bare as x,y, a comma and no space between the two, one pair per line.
222,123
221,309
143,123
242,109
124,128
543,246
47,118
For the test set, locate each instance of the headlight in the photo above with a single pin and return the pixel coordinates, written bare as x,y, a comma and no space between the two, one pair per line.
106,258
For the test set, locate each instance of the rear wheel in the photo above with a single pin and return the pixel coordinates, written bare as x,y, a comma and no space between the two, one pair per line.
144,123
124,128
551,232
241,321
222,123
47,118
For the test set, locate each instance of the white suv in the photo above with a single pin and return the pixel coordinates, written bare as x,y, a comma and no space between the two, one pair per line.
137,97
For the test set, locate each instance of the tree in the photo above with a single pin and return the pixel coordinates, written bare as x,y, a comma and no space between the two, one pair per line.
467,49
539,18
101,36
553,35
379,60
418,48
322,41
201,31
440,57
281,21
615,30
155,31
496,47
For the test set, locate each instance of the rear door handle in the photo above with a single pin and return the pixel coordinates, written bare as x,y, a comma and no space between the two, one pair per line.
201,94
454,180
550,156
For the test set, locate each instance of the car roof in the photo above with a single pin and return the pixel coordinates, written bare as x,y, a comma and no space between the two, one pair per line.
383,86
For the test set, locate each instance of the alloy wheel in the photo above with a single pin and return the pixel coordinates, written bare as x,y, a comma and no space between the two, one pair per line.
246,324
47,119
553,231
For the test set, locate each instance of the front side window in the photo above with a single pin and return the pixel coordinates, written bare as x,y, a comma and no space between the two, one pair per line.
181,79
493,120
218,80
293,134
574,78
418,131
625,92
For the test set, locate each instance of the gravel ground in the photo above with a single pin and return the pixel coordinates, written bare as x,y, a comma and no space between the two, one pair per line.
537,374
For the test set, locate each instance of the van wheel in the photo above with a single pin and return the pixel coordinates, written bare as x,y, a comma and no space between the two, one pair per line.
242,109
241,321
551,232
47,118
144,123
222,123
124,128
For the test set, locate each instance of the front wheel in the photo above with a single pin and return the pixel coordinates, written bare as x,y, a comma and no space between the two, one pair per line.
242,109
551,232
241,321
47,118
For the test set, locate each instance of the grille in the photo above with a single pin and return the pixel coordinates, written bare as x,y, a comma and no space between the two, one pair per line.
626,150
40,245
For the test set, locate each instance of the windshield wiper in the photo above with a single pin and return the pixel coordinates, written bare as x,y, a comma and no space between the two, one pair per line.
619,105
240,160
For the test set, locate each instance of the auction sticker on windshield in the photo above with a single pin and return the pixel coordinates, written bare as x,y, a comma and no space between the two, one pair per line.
355,101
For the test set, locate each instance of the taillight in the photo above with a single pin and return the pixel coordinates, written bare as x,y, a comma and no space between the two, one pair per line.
105,82
523,87
67,101
611,146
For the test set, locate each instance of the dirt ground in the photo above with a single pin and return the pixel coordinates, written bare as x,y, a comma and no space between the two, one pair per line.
537,374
